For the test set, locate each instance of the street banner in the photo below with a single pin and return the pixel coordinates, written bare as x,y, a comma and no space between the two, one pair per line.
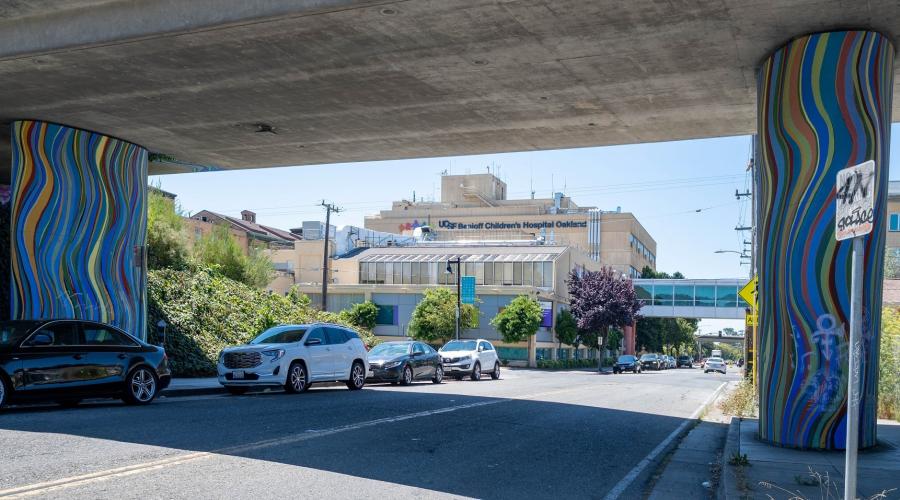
467,289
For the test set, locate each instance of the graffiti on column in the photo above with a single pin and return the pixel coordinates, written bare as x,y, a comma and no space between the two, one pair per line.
78,226
824,105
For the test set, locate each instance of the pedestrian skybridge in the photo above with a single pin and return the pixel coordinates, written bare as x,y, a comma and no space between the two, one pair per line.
683,298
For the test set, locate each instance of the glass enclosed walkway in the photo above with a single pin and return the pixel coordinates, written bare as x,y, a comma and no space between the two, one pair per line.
671,298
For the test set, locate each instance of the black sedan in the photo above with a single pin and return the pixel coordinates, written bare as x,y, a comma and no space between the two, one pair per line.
627,363
404,362
70,360
652,362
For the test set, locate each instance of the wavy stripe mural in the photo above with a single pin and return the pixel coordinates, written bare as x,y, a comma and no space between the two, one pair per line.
78,225
824,104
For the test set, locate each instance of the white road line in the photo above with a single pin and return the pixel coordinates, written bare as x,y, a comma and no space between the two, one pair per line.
95,477
629,478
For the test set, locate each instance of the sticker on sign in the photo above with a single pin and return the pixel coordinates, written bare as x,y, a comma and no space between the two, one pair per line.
855,200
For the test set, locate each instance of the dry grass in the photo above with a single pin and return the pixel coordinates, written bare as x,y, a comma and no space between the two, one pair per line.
741,402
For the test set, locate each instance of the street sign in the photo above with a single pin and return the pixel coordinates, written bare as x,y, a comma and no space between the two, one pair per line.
855,201
467,287
750,293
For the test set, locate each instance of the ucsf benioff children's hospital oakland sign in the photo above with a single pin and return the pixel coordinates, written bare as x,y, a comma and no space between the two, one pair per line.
546,224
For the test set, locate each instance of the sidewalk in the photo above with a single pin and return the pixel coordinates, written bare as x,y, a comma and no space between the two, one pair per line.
193,387
795,470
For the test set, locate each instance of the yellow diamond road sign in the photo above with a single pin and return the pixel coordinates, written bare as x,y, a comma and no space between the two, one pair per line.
749,292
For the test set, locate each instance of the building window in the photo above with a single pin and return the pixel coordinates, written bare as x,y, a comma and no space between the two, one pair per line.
387,315
705,296
895,223
684,295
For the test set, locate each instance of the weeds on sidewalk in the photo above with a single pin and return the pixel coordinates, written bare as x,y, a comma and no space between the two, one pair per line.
828,489
739,459
741,402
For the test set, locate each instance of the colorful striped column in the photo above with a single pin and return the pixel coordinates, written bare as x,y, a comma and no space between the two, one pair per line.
824,104
78,224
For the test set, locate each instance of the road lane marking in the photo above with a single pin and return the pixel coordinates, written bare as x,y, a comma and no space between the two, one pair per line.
629,478
105,475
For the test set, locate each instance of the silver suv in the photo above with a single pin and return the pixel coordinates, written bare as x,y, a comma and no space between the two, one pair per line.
470,358
295,356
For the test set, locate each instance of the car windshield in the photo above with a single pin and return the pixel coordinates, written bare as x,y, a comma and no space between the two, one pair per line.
648,357
12,332
459,345
390,350
279,335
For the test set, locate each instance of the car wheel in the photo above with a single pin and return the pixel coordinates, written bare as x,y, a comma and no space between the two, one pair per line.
4,391
141,386
237,391
69,403
438,375
297,378
357,377
495,375
476,371
406,378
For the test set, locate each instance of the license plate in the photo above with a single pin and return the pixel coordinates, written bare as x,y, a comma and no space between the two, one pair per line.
237,375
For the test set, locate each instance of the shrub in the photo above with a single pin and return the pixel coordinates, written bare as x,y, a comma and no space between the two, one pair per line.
434,318
166,238
741,402
363,315
207,312
566,364
889,365
519,320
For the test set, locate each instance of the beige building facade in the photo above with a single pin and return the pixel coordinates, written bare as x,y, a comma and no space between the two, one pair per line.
475,207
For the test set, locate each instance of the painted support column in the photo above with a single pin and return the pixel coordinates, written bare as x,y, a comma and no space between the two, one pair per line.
629,333
78,225
824,104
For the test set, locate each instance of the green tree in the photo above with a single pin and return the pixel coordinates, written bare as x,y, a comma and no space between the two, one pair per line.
566,329
258,268
363,315
519,320
298,298
166,238
889,365
434,318
614,340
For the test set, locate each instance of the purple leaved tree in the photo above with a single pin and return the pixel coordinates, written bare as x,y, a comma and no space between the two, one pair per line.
600,300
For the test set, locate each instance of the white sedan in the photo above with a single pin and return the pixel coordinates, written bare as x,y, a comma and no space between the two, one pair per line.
715,365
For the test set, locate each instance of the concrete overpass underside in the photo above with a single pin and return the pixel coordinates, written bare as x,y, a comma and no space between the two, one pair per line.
342,80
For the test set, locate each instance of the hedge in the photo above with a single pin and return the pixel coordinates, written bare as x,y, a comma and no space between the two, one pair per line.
206,312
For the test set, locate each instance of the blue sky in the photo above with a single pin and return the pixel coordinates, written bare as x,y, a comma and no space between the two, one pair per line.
663,184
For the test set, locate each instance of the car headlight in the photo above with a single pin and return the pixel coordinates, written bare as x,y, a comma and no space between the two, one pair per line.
392,364
274,354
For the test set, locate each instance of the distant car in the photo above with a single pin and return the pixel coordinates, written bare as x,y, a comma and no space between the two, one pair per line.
685,361
715,365
70,360
295,356
652,362
627,363
470,358
404,362
671,361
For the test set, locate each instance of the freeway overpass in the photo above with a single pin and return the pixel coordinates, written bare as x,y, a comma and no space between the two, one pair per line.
99,93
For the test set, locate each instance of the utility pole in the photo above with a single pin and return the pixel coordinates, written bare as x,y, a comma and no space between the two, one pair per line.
329,207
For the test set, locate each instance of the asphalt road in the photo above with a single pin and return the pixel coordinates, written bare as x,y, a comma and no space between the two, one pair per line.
532,434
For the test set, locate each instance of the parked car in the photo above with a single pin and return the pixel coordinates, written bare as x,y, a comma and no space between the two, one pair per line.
627,363
652,362
70,360
294,357
470,358
670,361
715,365
685,361
404,362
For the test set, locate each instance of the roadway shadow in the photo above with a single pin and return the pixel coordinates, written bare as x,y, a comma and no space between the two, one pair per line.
490,448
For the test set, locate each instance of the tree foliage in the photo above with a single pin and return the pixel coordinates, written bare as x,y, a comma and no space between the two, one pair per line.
519,320
670,335
434,318
889,365
363,315
219,251
600,300
566,328
166,238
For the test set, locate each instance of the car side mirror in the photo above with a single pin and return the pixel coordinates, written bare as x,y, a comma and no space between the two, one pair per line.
314,342
40,339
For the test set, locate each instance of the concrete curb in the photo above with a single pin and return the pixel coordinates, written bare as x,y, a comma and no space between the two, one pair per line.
729,484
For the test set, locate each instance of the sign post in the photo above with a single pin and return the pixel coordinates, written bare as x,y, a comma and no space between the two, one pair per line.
855,209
